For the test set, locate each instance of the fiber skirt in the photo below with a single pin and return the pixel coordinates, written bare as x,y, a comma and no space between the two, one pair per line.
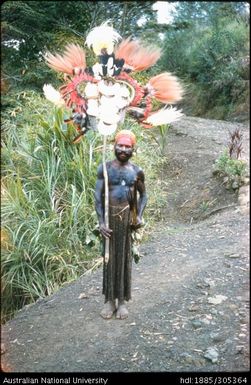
117,272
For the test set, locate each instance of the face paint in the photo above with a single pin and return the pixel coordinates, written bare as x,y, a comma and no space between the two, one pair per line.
123,152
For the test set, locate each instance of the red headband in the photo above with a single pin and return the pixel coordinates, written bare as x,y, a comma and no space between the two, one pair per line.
125,137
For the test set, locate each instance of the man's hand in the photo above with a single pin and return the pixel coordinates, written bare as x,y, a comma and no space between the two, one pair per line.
139,223
105,231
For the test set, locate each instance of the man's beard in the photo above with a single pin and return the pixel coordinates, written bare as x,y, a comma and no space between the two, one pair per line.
125,158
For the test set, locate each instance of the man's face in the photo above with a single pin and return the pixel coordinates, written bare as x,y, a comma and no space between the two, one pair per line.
123,152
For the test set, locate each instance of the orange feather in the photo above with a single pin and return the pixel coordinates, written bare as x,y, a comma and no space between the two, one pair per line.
137,57
165,88
57,63
74,57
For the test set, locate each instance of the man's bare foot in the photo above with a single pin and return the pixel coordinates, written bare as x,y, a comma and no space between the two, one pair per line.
108,310
122,311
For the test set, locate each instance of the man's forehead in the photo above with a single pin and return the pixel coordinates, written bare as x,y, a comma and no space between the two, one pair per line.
126,141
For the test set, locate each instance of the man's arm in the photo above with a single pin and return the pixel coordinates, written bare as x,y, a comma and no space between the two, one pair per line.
142,196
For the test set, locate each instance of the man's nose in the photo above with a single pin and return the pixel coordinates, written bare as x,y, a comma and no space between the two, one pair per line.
123,148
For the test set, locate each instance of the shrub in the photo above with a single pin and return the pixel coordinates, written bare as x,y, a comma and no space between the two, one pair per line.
232,171
213,62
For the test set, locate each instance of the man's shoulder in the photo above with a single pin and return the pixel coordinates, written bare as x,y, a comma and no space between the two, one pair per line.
108,164
136,168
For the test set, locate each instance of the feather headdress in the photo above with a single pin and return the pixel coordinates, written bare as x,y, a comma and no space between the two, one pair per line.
101,95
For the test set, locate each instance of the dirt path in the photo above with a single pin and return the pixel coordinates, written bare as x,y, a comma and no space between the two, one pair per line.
189,311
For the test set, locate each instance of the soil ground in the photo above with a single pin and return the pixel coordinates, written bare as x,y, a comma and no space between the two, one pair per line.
190,306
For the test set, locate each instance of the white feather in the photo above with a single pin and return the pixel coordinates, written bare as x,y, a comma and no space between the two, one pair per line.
121,102
109,116
93,107
91,90
164,116
107,89
53,95
101,37
124,92
97,71
107,101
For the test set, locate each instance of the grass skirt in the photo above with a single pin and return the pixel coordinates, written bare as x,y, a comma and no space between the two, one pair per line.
117,272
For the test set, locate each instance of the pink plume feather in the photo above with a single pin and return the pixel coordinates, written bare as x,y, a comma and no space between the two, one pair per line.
74,57
165,88
137,57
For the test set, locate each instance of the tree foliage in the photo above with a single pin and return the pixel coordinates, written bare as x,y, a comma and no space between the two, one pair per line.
208,47
31,27
207,12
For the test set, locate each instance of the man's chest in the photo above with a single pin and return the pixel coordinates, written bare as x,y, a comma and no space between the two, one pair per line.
122,176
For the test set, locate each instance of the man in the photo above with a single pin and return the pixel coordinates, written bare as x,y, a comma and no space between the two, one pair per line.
125,180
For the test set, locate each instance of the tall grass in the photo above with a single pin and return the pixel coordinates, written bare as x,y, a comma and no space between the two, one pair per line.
49,225
47,205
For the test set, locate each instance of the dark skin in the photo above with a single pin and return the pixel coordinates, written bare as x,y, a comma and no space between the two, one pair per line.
123,177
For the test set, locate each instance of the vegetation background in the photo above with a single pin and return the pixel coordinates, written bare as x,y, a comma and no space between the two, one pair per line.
49,230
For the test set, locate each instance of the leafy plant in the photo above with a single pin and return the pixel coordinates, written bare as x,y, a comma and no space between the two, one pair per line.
229,166
159,135
231,170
